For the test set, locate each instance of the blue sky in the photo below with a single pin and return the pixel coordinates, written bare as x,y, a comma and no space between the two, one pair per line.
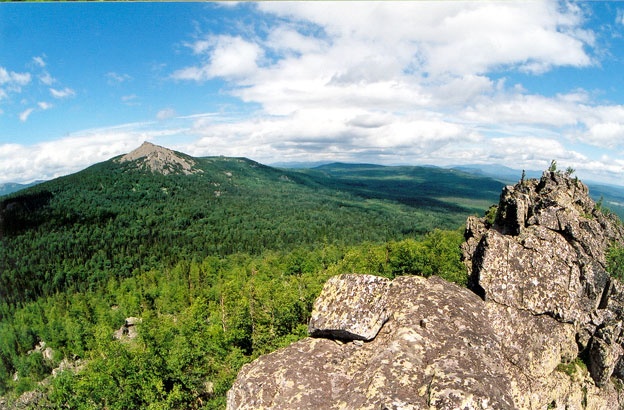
443,83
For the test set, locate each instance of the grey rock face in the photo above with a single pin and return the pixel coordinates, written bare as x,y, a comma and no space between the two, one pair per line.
160,160
540,327
353,308
545,254
436,350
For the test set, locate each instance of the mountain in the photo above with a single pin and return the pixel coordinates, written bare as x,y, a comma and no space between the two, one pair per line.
10,187
160,160
152,206
150,279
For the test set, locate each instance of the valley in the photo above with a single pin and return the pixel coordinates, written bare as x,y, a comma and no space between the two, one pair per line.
213,260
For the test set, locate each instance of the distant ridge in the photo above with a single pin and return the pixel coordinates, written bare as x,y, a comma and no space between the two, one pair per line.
498,172
611,196
11,187
299,165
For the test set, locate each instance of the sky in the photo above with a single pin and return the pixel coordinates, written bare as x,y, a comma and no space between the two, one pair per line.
419,83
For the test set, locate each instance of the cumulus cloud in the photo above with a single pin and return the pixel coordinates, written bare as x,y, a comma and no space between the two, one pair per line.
394,57
403,79
459,38
47,160
44,105
63,93
13,78
229,57
12,82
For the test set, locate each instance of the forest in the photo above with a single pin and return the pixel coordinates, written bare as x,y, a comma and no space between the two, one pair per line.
213,269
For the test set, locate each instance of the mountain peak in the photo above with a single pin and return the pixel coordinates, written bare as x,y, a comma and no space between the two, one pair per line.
160,160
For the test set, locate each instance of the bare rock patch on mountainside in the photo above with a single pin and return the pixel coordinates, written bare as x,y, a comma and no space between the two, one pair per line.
539,327
160,160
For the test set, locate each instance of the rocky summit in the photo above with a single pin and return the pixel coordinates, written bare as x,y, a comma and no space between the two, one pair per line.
539,326
160,160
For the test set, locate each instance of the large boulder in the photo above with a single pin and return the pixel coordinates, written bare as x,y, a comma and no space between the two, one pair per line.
437,349
353,308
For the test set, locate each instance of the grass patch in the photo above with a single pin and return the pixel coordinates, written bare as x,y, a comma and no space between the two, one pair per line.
572,368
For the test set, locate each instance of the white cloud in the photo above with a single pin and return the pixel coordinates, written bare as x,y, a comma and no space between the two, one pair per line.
130,100
25,114
12,82
47,160
458,37
117,78
46,78
165,114
39,61
390,56
405,82
619,19
64,93
44,105
523,109
230,57
11,77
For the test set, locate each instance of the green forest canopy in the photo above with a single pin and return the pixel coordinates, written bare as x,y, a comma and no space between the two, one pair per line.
221,266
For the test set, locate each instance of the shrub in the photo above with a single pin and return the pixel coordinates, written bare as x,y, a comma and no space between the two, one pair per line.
615,261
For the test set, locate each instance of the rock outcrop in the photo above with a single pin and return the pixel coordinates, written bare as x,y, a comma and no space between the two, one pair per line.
545,254
128,330
437,350
160,160
539,327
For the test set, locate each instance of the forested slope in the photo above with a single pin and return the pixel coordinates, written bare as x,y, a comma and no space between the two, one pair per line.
112,219
221,265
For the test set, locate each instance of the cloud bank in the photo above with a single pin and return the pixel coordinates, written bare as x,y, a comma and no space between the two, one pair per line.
408,82
392,83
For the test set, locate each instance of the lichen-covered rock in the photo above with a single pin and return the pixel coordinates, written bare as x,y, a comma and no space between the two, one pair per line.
352,307
437,350
545,255
536,271
540,327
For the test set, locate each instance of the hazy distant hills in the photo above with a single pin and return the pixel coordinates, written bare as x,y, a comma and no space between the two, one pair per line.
611,196
10,187
498,172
